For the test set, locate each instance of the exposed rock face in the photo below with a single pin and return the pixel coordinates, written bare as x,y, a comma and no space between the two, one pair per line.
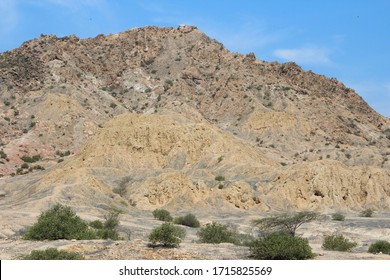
162,112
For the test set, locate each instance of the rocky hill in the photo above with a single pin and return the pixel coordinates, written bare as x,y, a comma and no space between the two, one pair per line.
167,117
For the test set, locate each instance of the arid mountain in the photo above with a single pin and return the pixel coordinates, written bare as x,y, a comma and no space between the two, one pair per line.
167,117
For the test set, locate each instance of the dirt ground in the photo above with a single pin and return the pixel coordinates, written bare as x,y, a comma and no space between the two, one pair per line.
135,229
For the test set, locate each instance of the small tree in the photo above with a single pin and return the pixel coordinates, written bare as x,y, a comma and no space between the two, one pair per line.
281,246
216,233
286,222
167,235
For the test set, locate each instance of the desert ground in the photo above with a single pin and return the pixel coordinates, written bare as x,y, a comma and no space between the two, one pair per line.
134,229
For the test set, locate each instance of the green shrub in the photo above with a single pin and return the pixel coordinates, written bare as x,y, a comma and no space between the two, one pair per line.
162,215
108,229
97,224
379,247
220,178
338,243
167,235
59,222
367,213
281,246
110,226
338,217
3,154
53,254
63,154
216,233
188,220
31,159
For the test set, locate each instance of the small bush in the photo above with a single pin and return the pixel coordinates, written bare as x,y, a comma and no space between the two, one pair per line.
281,246
63,154
59,222
162,215
220,178
53,254
108,229
3,154
380,247
96,224
216,233
367,213
338,217
32,159
167,235
188,220
338,243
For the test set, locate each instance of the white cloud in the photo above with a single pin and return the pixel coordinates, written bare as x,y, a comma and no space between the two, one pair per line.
305,55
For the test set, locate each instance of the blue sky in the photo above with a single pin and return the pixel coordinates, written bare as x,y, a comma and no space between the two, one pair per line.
348,40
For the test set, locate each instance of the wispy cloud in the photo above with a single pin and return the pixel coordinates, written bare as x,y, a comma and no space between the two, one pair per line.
313,55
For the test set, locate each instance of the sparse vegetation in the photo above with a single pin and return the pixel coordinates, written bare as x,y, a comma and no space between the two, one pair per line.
63,153
109,227
216,233
281,246
380,247
188,220
3,155
162,215
113,105
121,188
53,254
168,235
367,213
338,243
96,224
285,222
32,159
220,178
338,217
